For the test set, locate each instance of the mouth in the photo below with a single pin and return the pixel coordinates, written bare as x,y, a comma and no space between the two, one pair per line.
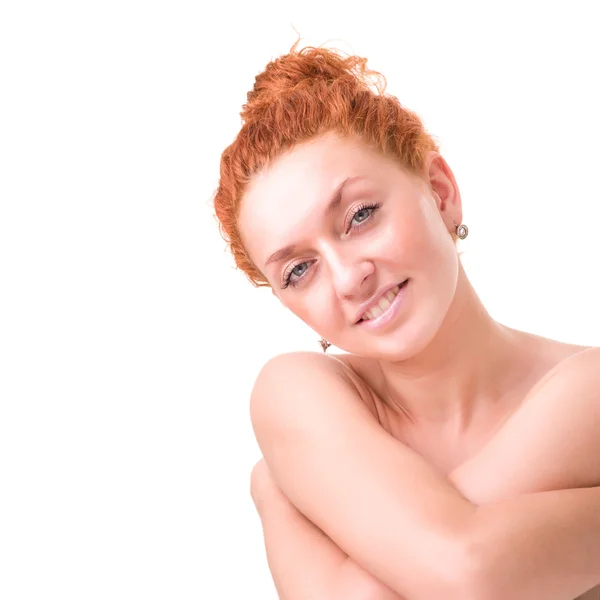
386,309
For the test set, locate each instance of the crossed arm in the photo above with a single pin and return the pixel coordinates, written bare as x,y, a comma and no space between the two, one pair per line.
401,521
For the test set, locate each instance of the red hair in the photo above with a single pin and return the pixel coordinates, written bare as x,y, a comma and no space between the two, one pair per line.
298,96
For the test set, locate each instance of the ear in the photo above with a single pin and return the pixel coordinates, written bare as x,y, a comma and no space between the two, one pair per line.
444,189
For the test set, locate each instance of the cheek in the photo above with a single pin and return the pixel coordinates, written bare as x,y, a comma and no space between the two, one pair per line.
427,236
320,310
420,245
402,240
312,310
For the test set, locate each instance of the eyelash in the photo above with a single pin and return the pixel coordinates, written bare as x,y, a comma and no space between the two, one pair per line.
287,277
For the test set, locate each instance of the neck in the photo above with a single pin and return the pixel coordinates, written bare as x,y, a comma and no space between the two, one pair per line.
456,374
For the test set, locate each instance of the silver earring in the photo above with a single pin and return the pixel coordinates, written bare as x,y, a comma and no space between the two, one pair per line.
462,231
324,344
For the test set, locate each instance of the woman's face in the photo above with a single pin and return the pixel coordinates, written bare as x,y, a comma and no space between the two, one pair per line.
384,226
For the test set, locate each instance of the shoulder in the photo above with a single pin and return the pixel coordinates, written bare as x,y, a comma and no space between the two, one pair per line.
295,363
569,392
551,442
305,399
314,370
578,371
538,360
303,384
363,373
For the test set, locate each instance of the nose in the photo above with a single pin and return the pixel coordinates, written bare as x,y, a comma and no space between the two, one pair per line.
350,275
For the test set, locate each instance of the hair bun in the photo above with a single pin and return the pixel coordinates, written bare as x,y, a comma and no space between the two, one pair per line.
309,69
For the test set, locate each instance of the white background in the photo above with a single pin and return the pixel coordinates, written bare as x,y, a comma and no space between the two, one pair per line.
129,342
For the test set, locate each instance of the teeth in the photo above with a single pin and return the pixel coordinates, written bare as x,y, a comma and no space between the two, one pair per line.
382,305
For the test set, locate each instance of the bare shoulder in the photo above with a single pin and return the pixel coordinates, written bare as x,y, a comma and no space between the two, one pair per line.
318,362
353,369
366,375
314,372
565,361
585,361
573,384
551,442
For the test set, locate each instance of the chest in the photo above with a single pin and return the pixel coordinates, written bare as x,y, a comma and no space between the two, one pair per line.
445,446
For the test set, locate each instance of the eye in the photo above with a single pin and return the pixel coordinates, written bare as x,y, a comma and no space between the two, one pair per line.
361,210
293,271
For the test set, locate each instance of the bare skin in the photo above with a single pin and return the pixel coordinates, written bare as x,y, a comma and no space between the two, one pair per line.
534,357
335,575
443,379
447,445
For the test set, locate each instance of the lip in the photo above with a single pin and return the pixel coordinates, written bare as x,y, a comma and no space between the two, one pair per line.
374,301
390,311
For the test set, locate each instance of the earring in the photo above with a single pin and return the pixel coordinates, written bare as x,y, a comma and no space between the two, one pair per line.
324,344
462,231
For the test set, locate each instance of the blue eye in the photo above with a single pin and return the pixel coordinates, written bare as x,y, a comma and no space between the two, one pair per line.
360,209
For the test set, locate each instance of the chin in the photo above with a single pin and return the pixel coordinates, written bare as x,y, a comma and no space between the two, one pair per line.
404,343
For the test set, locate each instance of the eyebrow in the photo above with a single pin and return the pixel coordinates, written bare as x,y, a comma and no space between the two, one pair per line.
332,205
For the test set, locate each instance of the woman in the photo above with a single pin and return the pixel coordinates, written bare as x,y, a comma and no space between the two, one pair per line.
421,463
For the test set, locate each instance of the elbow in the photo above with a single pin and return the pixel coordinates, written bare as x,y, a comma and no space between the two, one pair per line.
464,576
476,581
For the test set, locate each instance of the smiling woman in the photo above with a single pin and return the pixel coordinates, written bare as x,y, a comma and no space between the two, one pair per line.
383,214
381,471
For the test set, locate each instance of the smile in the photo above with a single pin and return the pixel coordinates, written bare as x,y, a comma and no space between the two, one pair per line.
386,310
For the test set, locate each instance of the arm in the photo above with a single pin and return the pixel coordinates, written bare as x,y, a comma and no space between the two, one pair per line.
550,443
544,545
307,416
338,466
304,562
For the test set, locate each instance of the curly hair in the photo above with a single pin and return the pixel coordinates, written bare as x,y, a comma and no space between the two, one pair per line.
301,95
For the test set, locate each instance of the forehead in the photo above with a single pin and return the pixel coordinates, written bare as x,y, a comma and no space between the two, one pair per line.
288,196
